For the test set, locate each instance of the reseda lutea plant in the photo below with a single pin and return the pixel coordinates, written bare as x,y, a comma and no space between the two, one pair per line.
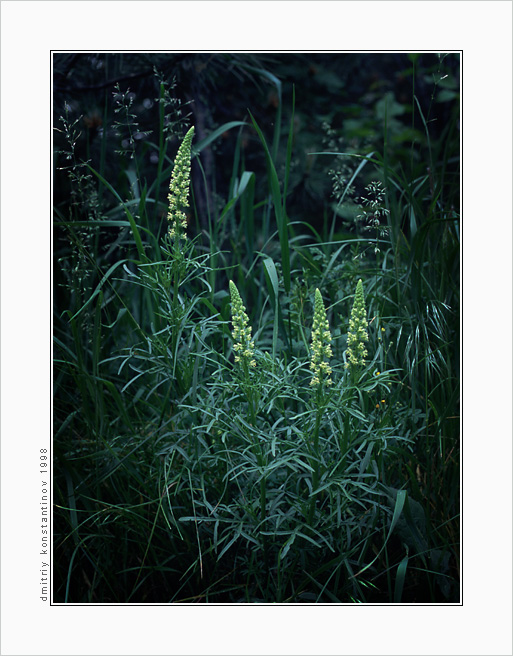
321,346
243,345
172,286
181,255
178,196
321,353
357,335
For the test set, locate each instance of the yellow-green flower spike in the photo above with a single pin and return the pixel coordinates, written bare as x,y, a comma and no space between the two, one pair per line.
178,197
357,335
321,345
243,345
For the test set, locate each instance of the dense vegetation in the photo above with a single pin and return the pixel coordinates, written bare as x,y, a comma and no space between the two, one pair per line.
237,418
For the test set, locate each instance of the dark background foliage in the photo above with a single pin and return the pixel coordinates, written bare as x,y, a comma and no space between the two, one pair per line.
344,91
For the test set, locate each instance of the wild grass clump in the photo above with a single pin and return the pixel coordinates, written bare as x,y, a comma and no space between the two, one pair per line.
248,412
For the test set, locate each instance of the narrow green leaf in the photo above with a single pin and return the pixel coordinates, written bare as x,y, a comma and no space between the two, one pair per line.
271,276
204,143
398,508
399,580
281,219
247,210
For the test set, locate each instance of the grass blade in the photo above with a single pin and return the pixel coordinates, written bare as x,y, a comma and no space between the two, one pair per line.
399,580
281,218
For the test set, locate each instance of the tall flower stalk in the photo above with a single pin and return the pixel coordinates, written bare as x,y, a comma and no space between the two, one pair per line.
243,344
321,353
244,348
178,199
178,196
357,336
321,346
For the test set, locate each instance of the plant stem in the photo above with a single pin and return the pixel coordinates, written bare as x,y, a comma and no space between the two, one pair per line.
315,459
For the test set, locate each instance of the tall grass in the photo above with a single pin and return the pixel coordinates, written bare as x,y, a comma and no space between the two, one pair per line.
181,476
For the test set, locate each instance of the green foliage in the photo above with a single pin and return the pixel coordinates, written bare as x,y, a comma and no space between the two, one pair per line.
300,446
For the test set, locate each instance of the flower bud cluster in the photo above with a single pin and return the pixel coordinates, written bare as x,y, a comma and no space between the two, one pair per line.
179,188
243,345
357,335
321,345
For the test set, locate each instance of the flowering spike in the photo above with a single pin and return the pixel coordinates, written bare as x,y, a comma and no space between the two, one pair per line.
243,345
179,188
321,345
357,335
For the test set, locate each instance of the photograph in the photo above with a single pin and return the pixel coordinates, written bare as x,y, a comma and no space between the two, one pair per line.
256,298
